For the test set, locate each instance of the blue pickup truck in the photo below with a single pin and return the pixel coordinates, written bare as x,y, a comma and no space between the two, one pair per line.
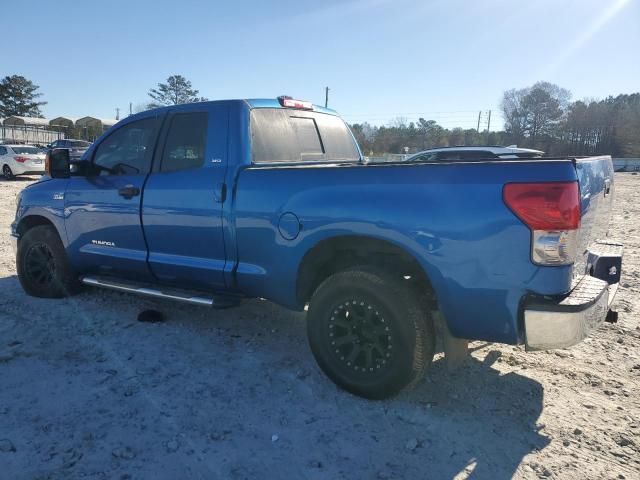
212,202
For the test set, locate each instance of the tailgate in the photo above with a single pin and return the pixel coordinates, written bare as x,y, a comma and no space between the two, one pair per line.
595,177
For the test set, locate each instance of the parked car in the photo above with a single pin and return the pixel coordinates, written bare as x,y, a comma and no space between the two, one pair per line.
211,202
474,153
21,160
76,147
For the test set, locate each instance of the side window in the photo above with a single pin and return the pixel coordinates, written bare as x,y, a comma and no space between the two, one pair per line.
186,141
427,157
3,151
449,155
127,151
477,155
54,144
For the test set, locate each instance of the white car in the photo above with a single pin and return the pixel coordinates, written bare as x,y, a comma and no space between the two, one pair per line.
474,153
21,160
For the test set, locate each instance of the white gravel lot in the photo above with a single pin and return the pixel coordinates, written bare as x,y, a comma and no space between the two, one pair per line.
86,391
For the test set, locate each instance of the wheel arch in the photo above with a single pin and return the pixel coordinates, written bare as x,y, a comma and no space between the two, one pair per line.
338,253
28,222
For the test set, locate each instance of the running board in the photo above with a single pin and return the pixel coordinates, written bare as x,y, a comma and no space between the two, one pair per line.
184,296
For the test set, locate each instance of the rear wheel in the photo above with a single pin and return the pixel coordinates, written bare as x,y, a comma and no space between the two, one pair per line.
7,173
370,332
43,269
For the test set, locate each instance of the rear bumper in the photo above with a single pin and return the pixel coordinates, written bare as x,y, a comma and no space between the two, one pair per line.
561,323
29,169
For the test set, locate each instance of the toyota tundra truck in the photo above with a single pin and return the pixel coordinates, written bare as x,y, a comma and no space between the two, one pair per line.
213,202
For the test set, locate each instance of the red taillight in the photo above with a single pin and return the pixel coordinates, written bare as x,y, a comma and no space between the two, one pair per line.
20,159
545,206
291,103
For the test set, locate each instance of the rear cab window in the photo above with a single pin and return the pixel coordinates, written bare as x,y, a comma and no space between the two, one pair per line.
288,135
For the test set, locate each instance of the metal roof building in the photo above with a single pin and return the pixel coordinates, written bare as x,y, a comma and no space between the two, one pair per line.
65,122
26,121
93,122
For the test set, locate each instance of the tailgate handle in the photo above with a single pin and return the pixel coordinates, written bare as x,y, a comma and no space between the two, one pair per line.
607,186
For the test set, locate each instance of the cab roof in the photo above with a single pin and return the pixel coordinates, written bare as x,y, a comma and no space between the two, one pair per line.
275,103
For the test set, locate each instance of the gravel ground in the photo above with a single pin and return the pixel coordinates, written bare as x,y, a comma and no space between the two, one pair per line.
86,391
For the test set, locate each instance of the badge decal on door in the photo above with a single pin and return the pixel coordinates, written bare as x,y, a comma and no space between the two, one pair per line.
103,243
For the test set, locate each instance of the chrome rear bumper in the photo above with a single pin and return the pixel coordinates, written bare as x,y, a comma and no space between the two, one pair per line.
565,323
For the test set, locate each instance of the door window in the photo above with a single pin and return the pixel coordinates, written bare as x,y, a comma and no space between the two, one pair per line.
127,151
186,142
3,151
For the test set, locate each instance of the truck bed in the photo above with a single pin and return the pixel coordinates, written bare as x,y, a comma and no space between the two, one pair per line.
449,215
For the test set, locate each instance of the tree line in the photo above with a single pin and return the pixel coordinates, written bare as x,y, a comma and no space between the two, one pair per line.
541,116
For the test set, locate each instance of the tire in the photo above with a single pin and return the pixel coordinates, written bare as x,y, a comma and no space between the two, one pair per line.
7,173
43,268
370,332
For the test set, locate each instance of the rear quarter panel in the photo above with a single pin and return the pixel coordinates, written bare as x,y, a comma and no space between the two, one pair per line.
450,217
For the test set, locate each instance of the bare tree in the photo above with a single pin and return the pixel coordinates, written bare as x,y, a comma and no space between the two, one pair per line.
534,111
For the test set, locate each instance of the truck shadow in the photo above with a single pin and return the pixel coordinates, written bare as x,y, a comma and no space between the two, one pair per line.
242,387
479,421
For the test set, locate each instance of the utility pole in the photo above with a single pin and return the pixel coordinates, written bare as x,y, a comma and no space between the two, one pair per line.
117,113
326,96
130,108
478,127
489,122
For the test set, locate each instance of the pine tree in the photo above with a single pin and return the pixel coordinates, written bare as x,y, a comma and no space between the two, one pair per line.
176,91
18,96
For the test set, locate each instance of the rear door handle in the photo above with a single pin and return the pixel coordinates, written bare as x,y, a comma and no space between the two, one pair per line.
129,191
221,193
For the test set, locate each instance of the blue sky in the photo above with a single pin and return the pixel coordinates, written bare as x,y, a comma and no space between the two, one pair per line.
441,59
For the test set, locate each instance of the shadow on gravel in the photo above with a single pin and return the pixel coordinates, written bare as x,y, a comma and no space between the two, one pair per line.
480,421
21,178
233,394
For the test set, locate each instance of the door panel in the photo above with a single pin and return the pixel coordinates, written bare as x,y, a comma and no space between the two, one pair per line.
182,205
102,208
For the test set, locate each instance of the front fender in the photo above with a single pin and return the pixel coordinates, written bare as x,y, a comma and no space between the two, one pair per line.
42,203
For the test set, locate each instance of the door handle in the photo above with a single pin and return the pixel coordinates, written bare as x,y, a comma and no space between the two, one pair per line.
221,193
129,191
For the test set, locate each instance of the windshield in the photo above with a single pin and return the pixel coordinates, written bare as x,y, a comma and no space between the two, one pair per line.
26,150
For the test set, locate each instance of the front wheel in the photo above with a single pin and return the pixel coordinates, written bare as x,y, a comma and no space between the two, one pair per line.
370,332
7,173
43,269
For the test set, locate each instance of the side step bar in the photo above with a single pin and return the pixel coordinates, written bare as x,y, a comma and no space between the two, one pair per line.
184,296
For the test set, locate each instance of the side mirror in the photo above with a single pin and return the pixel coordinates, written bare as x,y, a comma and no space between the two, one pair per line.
57,163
